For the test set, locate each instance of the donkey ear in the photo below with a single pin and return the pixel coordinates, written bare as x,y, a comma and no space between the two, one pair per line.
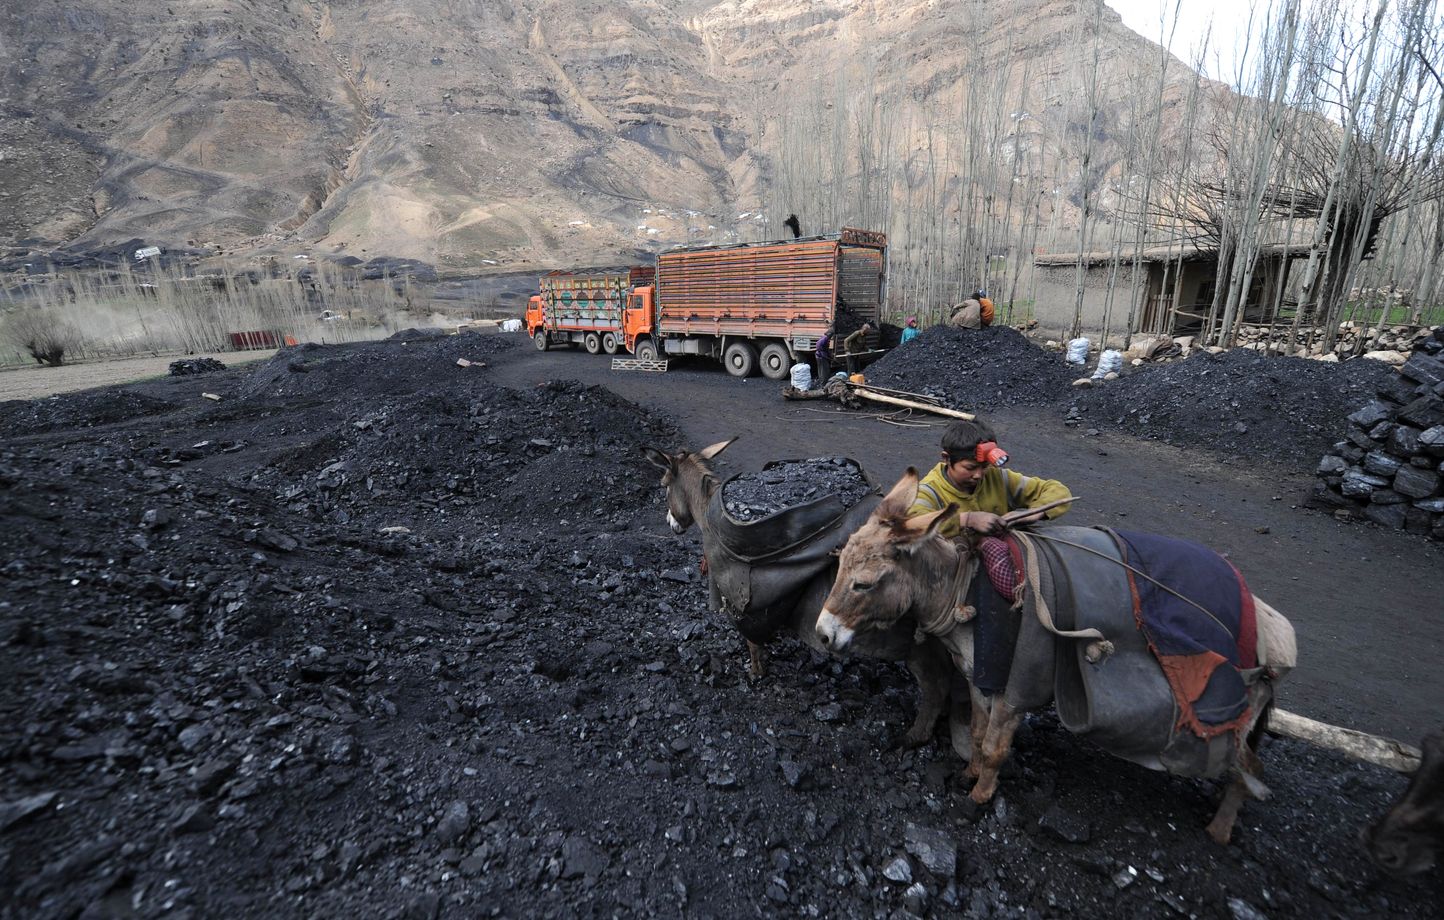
707,453
916,529
658,458
897,502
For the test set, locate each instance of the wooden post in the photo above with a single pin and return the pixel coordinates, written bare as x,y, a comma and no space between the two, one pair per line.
909,404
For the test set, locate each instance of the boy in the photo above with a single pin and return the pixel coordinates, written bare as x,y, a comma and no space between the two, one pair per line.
971,476
983,490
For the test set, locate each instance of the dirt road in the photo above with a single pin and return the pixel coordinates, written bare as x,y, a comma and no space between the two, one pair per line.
1364,600
34,382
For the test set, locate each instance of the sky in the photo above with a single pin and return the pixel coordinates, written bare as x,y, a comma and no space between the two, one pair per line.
1229,20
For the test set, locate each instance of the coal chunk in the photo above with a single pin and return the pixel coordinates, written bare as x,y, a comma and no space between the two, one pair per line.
753,496
1416,483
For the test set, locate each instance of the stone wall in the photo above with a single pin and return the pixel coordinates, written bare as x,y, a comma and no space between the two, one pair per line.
1390,467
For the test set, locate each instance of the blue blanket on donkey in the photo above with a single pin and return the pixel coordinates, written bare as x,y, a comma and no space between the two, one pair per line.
1201,650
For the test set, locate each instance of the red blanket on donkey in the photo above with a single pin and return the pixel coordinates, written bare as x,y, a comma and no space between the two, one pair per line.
1203,631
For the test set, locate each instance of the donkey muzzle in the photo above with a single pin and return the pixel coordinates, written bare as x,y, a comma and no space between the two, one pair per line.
673,523
831,632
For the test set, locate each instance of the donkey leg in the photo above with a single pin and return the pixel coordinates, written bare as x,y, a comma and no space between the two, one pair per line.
931,666
982,708
1002,723
1247,783
758,667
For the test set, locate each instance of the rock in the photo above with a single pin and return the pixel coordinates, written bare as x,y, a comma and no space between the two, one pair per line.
1358,484
915,898
1082,382
1422,368
1125,877
454,823
792,772
1388,357
1431,505
1372,413
935,849
1416,483
1381,464
828,712
1240,909
1331,465
1385,497
194,819
899,870
12,813
1391,516
1424,412
1432,440
581,857
1065,825
1403,441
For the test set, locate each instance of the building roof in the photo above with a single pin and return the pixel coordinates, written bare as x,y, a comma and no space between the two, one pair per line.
1188,252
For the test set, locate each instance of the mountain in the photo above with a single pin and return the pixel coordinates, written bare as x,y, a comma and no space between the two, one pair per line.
511,133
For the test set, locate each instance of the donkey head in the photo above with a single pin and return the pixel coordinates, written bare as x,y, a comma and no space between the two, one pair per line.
889,565
1407,841
689,481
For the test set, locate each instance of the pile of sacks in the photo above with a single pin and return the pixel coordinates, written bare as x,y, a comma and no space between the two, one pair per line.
1390,468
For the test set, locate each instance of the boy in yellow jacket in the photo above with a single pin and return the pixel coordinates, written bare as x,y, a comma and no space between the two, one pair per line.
971,475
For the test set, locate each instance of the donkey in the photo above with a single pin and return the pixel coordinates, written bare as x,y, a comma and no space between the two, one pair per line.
1410,837
896,569
691,484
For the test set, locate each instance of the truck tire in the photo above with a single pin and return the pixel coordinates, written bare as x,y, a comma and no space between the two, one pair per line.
592,343
610,343
540,338
646,350
740,359
776,362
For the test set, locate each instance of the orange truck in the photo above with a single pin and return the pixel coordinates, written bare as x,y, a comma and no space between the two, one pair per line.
754,306
583,309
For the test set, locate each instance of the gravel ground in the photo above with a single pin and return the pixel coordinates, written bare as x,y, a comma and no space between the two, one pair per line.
344,645
752,496
1285,411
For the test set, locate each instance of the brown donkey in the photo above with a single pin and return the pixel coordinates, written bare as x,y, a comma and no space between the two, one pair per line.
898,570
691,484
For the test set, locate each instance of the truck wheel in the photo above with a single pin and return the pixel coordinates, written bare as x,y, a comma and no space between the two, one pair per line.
541,340
740,359
610,344
776,362
646,350
592,343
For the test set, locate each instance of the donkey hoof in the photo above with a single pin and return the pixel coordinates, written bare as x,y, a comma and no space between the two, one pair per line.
981,796
1220,832
917,737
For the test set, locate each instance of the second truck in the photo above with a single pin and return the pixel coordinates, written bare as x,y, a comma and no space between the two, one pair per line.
754,306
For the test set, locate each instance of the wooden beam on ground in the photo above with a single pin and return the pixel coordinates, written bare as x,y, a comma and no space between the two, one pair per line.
910,404
1386,752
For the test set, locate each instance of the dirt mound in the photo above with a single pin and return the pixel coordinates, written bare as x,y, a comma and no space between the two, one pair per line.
191,366
367,369
974,368
77,410
1237,403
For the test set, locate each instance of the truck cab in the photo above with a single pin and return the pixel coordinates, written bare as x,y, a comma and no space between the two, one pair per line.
639,317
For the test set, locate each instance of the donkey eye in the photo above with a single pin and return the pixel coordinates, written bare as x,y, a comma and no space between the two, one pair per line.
862,586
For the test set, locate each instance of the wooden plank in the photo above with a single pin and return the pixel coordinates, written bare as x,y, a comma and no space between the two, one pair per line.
909,404
1386,752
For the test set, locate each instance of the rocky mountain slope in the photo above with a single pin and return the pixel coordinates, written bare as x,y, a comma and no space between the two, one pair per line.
470,134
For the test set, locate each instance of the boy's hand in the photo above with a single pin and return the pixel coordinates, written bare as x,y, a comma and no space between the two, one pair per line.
985,522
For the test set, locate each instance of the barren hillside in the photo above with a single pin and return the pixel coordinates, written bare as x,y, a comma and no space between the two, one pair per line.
470,134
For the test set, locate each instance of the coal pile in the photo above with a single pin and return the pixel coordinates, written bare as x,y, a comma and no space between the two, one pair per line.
974,368
455,676
191,366
1238,403
778,486
1390,467
30,416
